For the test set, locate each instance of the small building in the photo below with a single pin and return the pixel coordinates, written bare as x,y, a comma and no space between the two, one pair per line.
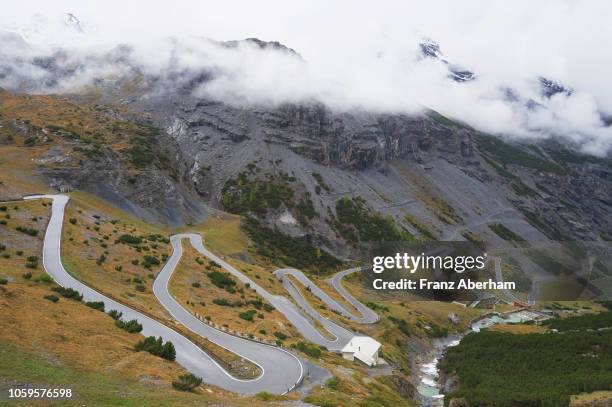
362,348
60,186
64,188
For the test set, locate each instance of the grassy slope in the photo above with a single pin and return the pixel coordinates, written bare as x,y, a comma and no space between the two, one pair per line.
199,300
223,235
98,226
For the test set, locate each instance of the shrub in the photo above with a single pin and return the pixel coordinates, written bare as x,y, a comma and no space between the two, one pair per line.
187,382
51,297
268,307
307,349
402,325
114,314
265,396
257,303
221,280
222,302
2,222
99,305
320,181
140,288
195,285
149,261
73,221
43,278
168,352
68,293
502,231
3,281
19,252
129,239
357,222
248,315
141,155
280,335
32,258
293,251
243,196
27,231
101,260
118,268
156,347
135,262
333,383
377,306
131,326
27,275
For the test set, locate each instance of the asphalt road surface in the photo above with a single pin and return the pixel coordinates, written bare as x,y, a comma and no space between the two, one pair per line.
367,315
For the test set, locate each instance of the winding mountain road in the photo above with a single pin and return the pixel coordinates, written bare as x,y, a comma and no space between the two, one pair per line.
367,315
281,370
302,323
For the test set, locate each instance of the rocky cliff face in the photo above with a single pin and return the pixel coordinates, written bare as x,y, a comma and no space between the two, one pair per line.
421,166
355,141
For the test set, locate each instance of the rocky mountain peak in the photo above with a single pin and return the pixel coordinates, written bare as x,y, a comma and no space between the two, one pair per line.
266,45
73,22
549,88
431,49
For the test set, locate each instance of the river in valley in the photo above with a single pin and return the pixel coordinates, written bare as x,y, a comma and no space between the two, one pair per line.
429,387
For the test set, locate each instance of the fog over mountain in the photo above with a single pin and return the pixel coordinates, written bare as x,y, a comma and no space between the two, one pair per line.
526,70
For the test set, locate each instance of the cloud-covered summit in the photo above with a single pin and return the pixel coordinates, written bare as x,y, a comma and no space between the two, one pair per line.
518,69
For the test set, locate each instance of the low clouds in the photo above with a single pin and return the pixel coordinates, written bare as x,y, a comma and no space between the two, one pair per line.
354,55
